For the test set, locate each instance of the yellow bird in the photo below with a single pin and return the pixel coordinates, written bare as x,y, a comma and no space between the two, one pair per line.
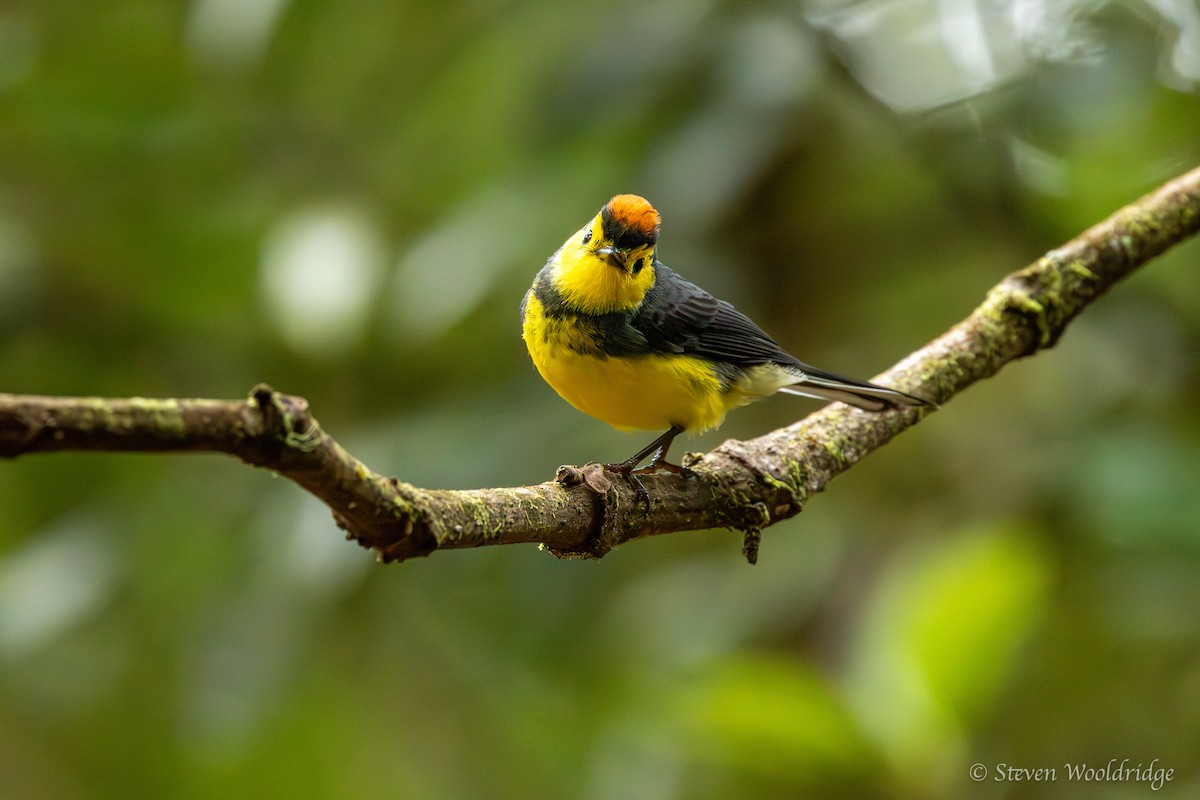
624,338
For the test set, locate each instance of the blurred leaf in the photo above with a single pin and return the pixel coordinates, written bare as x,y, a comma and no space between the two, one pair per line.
1139,490
940,639
777,718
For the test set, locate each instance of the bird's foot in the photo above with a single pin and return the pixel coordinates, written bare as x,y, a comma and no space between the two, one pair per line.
656,451
593,475
667,466
630,472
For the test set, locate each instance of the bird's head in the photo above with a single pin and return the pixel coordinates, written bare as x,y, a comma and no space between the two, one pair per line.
625,232
608,265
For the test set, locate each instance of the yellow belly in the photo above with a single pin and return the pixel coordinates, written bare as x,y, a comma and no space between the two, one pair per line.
649,392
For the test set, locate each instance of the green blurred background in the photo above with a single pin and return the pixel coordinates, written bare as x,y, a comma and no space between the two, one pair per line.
348,200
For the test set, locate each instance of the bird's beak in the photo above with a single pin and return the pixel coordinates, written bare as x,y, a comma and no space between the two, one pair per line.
617,258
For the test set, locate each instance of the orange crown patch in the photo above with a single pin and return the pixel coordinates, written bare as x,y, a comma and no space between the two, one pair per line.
630,221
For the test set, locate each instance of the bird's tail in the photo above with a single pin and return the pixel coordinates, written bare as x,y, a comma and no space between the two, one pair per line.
868,396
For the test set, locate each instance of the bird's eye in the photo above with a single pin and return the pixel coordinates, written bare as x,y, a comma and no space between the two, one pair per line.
587,237
637,265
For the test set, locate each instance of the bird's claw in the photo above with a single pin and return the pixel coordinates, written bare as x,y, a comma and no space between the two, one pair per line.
630,474
633,475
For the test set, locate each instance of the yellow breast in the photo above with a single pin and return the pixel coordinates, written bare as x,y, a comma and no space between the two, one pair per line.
649,392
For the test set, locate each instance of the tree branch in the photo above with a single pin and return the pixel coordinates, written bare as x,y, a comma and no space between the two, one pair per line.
744,485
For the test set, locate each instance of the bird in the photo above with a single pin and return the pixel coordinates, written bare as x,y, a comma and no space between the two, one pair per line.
625,339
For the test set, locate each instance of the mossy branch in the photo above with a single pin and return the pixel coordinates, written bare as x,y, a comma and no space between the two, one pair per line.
744,485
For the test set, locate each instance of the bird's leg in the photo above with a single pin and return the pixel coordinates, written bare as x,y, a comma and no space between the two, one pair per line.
656,451
659,459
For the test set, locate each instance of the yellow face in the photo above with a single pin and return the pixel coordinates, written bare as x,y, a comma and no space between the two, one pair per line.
595,277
